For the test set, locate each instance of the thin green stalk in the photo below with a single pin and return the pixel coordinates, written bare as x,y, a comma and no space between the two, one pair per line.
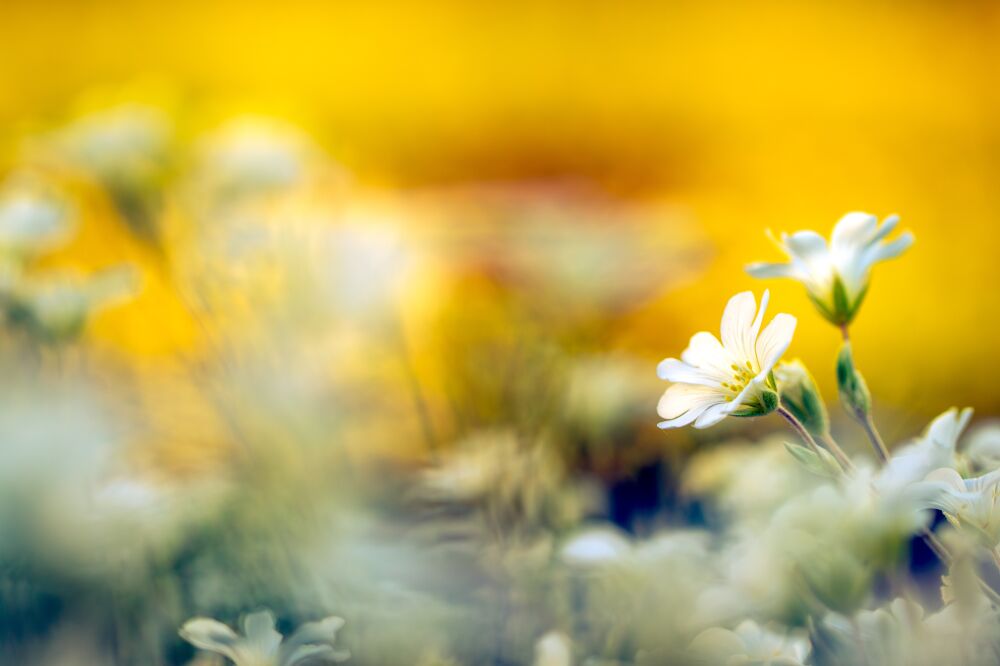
830,443
803,432
876,439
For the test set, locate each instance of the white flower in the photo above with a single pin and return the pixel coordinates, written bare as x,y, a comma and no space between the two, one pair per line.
836,275
261,644
553,649
934,449
595,547
713,379
983,449
750,644
969,504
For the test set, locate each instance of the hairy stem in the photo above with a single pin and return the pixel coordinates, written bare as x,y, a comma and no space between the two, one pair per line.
803,432
831,444
869,426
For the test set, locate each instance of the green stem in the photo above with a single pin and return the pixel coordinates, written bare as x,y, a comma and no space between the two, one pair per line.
865,418
869,425
803,432
830,443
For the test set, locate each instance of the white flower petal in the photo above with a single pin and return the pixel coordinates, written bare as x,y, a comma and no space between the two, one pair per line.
737,320
751,338
682,398
706,352
774,340
208,634
261,637
888,224
884,251
713,415
853,232
674,370
766,270
944,431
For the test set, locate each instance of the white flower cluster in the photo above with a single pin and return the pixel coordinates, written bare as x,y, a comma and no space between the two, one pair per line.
821,576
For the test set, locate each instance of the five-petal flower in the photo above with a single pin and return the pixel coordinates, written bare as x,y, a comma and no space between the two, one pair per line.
261,644
714,379
836,275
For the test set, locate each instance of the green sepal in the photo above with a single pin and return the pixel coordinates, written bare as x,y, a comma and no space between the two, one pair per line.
766,402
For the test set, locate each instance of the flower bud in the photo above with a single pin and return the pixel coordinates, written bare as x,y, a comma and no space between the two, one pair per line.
801,397
854,392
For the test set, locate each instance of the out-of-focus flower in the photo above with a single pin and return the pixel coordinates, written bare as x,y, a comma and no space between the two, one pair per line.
836,276
595,546
969,504
884,636
934,449
983,448
519,485
553,649
31,220
606,395
251,156
823,546
56,309
713,380
126,149
747,481
749,645
262,645
800,395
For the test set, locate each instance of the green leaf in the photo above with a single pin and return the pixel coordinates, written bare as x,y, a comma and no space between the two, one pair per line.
822,464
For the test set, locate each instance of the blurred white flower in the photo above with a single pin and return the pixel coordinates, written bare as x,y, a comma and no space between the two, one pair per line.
553,649
713,380
889,635
750,645
934,449
124,146
262,645
747,481
983,448
596,546
31,220
56,308
969,504
836,276
249,155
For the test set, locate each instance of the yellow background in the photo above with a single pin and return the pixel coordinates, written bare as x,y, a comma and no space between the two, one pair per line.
747,115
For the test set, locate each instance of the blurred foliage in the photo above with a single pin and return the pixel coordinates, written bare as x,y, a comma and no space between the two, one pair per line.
352,311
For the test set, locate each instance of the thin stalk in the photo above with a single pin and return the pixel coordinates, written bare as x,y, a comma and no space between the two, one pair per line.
804,434
930,538
876,439
830,443
800,430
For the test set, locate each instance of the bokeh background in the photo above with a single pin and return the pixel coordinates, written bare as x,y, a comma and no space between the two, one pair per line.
746,117
377,229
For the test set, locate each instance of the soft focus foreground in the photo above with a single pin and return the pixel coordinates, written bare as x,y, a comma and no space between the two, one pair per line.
326,339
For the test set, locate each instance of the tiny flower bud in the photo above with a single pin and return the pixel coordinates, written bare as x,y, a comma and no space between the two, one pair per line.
854,392
801,397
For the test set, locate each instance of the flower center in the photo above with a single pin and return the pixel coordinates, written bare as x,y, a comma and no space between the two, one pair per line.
741,377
